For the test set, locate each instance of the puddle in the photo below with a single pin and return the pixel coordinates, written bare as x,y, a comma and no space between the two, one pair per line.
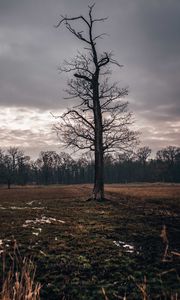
126,247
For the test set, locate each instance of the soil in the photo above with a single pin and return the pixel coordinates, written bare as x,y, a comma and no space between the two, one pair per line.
128,245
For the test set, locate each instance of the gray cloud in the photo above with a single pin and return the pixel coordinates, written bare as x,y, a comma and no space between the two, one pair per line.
144,36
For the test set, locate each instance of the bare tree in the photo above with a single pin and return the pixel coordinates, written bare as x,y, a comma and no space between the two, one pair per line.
12,160
100,122
169,154
143,154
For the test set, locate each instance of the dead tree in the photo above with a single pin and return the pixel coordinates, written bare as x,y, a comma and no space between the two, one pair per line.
100,122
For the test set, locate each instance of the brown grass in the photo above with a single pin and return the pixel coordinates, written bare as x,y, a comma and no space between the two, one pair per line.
84,190
19,281
145,190
45,192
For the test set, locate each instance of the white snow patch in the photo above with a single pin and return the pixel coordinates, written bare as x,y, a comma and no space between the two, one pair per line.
2,244
18,208
43,253
22,208
127,247
38,207
35,233
43,220
2,207
30,202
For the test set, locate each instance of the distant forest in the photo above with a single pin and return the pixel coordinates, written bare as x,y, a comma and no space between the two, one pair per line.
53,168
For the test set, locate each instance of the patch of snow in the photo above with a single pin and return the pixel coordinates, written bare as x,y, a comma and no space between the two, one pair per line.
3,243
30,202
2,207
37,207
43,220
43,253
127,247
21,207
35,233
18,208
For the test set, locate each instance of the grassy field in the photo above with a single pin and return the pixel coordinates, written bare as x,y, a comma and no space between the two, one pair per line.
89,250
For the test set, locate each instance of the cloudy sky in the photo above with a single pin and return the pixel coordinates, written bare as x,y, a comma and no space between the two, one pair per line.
145,38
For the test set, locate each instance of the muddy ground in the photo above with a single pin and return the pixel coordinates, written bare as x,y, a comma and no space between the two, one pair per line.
89,250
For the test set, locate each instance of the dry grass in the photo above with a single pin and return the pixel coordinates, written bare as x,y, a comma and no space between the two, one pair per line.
31,193
160,191
19,281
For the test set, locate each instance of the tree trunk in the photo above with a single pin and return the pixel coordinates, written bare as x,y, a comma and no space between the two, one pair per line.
98,190
9,184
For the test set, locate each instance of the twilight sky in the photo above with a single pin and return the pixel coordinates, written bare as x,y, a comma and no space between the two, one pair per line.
145,38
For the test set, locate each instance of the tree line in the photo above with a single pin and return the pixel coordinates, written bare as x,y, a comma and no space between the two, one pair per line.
53,168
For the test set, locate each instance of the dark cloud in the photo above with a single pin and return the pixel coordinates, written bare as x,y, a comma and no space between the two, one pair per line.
144,36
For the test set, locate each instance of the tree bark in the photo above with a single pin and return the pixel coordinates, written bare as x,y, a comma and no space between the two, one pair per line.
9,184
98,190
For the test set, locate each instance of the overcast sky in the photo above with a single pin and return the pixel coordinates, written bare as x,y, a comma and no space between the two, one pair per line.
145,38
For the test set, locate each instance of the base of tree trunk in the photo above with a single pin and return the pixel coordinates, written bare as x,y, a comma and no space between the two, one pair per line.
103,199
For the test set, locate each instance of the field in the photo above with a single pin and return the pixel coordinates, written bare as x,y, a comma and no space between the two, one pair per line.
128,246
